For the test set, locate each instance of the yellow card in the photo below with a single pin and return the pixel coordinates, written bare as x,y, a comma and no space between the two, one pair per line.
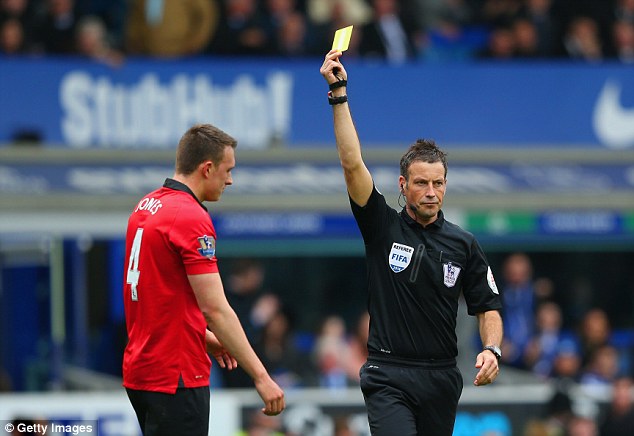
342,39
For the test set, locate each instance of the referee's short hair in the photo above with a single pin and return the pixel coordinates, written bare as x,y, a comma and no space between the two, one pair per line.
424,150
200,143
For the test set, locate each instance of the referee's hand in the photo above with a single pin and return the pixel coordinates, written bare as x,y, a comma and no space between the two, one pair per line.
489,368
332,69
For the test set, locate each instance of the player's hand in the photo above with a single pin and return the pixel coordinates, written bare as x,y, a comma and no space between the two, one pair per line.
332,69
271,394
489,368
216,349
225,360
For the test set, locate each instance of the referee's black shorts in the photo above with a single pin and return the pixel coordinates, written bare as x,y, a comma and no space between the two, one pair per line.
184,413
409,399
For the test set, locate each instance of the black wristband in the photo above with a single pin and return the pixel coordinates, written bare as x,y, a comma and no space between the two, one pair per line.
338,84
336,100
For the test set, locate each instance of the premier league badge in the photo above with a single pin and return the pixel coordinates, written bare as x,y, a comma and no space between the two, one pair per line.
400,257
207,246
451,274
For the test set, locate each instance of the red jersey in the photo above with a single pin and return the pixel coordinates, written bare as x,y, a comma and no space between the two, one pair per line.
170,235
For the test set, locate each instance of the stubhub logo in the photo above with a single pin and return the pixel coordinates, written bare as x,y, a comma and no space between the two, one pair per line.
154,114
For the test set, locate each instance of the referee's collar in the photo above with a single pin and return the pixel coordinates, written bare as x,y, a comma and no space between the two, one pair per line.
436,224
178,186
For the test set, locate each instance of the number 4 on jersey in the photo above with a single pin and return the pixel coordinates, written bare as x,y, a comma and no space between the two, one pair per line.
132,277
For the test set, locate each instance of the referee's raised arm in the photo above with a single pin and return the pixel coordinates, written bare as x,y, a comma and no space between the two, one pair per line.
357,176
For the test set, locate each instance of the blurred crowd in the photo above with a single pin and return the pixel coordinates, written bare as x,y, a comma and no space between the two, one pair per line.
571,345
395,31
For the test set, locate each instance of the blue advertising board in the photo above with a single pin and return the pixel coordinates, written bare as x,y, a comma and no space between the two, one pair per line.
149,103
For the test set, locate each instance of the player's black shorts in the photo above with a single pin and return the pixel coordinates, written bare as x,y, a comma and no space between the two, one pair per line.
409,399
184,413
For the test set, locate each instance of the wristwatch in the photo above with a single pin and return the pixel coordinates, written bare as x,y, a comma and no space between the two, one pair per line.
495,350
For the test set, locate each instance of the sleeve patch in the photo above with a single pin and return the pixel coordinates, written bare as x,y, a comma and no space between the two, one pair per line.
491,281
207,246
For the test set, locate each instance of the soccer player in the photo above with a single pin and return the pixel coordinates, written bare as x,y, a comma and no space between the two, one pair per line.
418,264
175,306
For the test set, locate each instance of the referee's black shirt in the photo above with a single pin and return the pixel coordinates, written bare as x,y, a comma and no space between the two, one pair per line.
415,275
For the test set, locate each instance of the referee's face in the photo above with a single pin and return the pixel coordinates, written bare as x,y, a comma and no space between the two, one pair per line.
424,190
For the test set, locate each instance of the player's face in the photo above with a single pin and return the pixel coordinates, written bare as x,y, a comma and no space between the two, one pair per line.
425,190
220,175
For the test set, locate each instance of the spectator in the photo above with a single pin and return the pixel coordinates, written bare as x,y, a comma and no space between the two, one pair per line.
542,349
526,39
355,12
27,15
435,13
620,415
595,331
92,42
623,35
601,370
518,295
332,353
242,30
262,425
388,35
56,31
582,426
276,13
113,14
291,37
501,44
567,363
287,364
449,30
582,40
11,37
624,11
326,16
6,384
557,415
358,346
495,13
538,12
253,303
170,28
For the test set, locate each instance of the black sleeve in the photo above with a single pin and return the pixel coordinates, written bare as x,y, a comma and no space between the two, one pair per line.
372,217
479,288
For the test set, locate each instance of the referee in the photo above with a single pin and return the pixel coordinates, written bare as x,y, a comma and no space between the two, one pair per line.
418,264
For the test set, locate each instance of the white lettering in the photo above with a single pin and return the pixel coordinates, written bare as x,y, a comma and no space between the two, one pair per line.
32,428
77,127
74,429
148,113
150,204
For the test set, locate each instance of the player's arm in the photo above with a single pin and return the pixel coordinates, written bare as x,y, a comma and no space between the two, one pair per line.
357,176
491,332
224,323
219,352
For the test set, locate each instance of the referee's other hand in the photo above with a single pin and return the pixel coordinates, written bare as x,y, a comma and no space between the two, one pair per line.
489,368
